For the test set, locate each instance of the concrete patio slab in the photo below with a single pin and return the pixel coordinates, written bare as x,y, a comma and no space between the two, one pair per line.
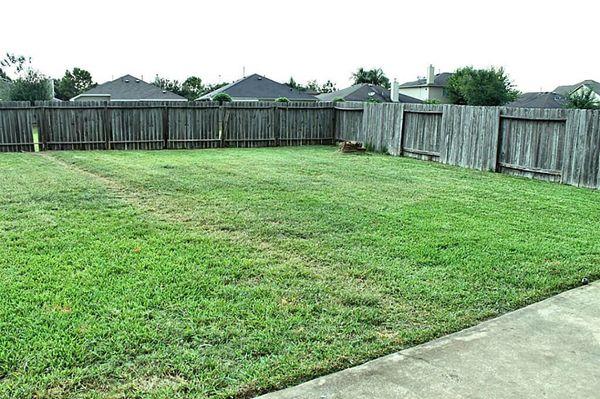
550,349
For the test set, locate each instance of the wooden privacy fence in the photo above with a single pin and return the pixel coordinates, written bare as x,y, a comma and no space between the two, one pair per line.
157,125
550,144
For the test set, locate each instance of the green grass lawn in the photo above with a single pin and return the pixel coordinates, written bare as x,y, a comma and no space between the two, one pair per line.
227,273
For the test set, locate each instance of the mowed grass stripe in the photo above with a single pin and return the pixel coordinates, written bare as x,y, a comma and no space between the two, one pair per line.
231,272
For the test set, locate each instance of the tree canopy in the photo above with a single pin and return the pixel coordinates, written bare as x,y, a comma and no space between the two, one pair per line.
191,88
373,76
313,86
73,83
470,86
30,86
26,83
12,65
582,99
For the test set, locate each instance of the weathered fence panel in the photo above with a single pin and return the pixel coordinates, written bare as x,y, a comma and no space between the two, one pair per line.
304,123
64,126
249,124
382,127
193,125
532,142
470,137
581,163
422,131
137,127
549,144
348,120
17,120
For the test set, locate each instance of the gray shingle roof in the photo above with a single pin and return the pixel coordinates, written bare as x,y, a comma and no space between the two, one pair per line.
567,89
131,88
259,87
441,79
539,100
365,92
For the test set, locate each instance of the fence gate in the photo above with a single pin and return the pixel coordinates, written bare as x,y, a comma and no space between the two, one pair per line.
532,145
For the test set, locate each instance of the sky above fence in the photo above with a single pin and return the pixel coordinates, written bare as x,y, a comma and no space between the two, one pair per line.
536,41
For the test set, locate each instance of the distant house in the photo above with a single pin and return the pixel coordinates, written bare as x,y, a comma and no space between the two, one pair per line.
432,87
127,88
539,100
259,88
365,92
579,87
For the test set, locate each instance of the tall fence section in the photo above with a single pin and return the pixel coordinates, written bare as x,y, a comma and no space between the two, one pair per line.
550,144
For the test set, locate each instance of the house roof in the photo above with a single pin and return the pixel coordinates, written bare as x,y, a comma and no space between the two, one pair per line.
539,100
129,87
568,89
440,79
365,92
259,87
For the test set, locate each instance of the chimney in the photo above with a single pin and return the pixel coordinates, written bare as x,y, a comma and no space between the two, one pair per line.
430,75
395,89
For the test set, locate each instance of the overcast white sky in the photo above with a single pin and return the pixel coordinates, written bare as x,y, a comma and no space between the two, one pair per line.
541,44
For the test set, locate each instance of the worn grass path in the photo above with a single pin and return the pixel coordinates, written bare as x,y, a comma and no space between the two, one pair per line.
223,273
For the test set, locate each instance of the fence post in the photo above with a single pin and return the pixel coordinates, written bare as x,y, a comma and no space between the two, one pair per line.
334,124
41,116
275,125
107,125
401,143
220,124
498,141
165,127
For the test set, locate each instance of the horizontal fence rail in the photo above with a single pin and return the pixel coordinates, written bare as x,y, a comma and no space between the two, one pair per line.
549,144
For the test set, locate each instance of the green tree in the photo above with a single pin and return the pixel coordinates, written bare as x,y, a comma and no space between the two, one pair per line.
373,76
294,85
73,83
170,85
313,86
222,98
582,99
30,86
13,65
470,86
26,83
192,88
214,86
328,87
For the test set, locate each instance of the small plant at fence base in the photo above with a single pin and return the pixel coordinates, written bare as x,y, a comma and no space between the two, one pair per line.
222,98
282,100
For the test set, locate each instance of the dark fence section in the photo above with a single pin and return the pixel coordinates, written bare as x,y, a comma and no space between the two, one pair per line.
157,125
17,120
